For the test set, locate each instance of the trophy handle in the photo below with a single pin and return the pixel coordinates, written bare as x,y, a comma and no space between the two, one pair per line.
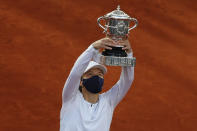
98,21
136,23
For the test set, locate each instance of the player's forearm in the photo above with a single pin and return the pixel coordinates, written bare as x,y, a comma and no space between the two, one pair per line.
126,79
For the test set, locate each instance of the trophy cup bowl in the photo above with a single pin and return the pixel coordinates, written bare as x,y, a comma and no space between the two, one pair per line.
117,28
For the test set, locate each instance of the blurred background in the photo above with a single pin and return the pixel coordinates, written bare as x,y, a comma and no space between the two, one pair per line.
41,39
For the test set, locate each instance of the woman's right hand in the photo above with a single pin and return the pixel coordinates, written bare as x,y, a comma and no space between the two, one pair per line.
103,43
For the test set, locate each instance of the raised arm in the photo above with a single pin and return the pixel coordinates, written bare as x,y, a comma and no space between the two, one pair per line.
119,90
72,83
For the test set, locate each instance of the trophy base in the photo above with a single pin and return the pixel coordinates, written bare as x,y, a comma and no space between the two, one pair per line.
117,61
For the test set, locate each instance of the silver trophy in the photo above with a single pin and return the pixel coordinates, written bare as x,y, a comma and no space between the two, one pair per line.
117,28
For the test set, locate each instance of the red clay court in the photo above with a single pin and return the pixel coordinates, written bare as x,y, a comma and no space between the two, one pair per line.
41,39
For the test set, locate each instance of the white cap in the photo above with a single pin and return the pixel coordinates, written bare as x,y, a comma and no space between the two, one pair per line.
93,64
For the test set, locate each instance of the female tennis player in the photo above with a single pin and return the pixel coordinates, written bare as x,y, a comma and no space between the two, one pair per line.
84,107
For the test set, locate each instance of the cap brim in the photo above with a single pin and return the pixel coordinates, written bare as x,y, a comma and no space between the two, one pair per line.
103,68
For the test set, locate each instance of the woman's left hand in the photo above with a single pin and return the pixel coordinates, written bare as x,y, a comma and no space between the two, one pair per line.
126,44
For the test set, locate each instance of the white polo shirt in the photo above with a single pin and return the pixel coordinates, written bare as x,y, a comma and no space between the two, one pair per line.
76,113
